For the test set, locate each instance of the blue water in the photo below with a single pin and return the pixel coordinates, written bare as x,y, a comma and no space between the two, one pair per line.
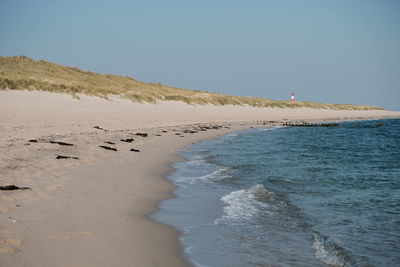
291,196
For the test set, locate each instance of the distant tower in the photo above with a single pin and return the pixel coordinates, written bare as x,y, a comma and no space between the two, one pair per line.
292,97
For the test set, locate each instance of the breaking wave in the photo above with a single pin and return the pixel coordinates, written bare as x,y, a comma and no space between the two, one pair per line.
243,205
217,175
331,253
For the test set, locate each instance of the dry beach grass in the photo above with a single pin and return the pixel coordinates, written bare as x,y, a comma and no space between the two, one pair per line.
21,72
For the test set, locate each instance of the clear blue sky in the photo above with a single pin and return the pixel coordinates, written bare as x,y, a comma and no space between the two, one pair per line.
334,51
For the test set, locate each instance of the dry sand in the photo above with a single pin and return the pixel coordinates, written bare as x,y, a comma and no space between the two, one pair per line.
94,211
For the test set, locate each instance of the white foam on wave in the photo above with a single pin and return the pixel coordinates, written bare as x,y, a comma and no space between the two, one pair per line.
243,205
273,128
232,135
222,140
217,175
329,252
196,162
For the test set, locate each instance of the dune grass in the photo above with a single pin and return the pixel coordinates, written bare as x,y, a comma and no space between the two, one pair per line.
21,73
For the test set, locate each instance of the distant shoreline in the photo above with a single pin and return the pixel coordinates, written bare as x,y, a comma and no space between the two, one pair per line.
93,211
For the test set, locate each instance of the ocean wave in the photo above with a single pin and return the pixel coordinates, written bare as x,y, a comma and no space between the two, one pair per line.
197,161
217,175
272,128
243,205
223,139
330,253
234,134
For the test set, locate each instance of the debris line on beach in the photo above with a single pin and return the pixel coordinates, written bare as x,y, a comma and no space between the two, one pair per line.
306,124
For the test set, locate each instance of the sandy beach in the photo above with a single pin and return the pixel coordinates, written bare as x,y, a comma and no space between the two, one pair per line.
92,210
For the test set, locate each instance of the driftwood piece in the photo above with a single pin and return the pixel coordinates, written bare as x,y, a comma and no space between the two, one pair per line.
65,157
13,187
109,142
99,128
109,148
61,143
128,140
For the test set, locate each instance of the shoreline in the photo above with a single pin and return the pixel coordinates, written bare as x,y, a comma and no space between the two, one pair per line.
95,211
225,183
52,212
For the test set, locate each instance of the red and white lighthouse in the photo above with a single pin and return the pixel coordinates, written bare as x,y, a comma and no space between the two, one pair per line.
292,97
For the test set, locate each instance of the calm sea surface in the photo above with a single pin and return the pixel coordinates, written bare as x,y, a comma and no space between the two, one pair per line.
291,197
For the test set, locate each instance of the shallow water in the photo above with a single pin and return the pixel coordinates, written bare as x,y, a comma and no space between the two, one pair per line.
291,197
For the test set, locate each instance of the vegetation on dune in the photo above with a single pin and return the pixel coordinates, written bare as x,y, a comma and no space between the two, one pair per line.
20,73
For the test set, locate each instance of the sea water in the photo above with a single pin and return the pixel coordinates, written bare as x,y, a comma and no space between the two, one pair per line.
291,196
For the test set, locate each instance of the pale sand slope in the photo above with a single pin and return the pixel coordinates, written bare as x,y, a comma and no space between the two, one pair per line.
93,211
25,114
